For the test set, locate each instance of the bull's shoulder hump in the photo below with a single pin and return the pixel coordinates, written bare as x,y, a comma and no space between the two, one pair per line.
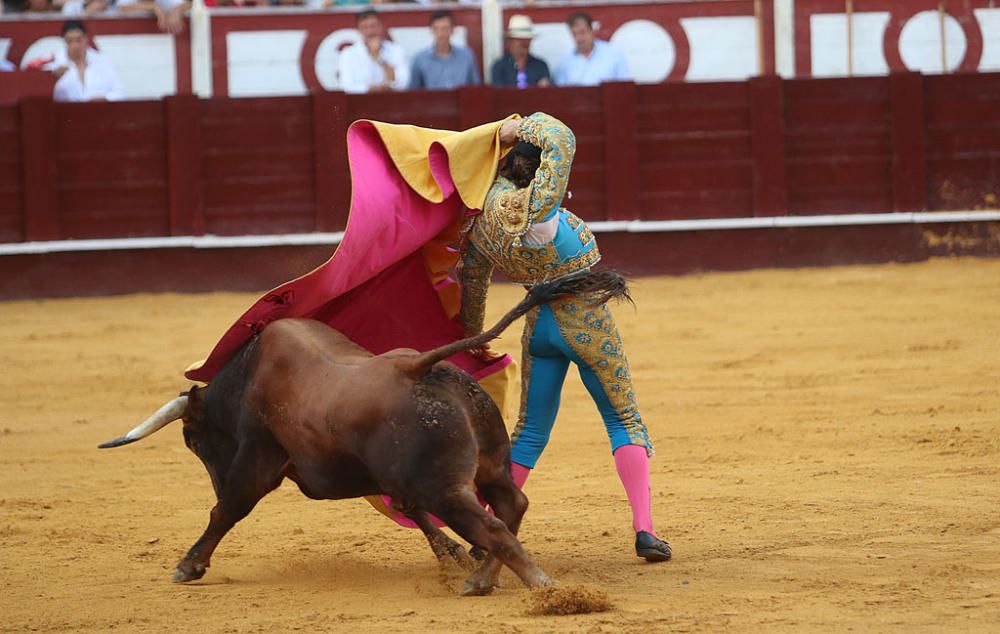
299,335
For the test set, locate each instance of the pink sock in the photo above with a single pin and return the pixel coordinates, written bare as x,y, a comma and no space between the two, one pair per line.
519,473
633,469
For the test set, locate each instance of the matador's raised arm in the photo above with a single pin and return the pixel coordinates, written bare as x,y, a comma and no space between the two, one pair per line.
552,176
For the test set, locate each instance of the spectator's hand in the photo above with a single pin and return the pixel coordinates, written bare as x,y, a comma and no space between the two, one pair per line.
161,17
390,74
374,47
544,82
508,132
174,19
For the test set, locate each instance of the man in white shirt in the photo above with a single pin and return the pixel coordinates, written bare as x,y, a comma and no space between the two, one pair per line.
374,64
83,74
594,61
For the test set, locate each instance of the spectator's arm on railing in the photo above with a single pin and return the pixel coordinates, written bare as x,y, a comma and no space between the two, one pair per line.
169,13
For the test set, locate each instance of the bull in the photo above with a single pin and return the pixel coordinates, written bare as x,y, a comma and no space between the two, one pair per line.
303,402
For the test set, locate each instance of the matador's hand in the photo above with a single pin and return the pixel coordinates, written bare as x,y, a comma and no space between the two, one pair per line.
508,132
485,354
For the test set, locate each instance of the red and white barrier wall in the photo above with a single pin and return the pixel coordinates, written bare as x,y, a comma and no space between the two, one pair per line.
694,167
267,52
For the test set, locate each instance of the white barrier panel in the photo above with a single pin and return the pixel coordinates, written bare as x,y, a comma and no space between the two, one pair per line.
722,48
989,22
829,44
265,63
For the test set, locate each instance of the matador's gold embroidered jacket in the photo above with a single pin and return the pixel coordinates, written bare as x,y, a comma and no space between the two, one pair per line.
525,232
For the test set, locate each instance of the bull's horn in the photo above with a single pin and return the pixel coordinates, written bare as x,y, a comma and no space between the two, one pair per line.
163,417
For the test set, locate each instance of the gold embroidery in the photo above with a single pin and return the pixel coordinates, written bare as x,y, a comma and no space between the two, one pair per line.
510,210
593,335
474,275
529,329
525,264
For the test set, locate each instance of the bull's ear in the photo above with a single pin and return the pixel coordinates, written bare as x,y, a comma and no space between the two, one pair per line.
195,411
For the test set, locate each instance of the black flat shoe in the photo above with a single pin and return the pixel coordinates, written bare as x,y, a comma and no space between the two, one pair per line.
651,548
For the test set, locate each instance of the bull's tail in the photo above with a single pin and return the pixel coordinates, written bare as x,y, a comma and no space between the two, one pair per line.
602,285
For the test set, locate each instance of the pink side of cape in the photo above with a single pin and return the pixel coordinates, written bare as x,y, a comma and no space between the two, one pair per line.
376,289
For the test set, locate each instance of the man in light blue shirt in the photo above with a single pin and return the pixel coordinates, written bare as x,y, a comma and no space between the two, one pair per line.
443,66
594,61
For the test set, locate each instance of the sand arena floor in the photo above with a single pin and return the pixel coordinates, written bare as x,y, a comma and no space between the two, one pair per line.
828,459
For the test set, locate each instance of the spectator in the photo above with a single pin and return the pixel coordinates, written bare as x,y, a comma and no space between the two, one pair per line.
519,67
84,7
83,74
37,6
169,13
443,65
374,64
594,61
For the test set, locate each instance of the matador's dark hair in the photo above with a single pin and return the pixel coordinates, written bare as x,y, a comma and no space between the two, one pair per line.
522,162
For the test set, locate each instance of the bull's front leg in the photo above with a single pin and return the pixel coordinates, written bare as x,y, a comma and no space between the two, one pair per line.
251,477
509,504
443,546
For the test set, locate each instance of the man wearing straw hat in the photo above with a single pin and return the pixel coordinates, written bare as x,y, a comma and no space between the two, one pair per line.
519,68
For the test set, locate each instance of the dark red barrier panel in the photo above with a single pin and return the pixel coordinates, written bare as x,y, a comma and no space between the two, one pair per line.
909,160
675,151
333,191
839,146
38,170
20,84
694,151
767,140
258,166
110,169
184,153
11,206
963,141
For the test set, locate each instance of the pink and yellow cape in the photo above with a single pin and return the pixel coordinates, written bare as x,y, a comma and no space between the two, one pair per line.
387,284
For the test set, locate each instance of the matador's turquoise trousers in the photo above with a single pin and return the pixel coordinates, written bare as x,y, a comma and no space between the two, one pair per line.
573,329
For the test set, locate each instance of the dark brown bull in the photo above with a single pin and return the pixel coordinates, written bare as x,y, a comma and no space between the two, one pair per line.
302,401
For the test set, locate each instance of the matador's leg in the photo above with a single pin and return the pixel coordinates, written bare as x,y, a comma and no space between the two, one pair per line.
593,343
543,370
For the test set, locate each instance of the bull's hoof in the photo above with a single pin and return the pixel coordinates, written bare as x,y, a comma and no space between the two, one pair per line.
651,548
188,572
462,558
476,588
540,580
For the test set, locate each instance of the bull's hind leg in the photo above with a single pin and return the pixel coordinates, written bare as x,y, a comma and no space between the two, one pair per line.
254,473
461,510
